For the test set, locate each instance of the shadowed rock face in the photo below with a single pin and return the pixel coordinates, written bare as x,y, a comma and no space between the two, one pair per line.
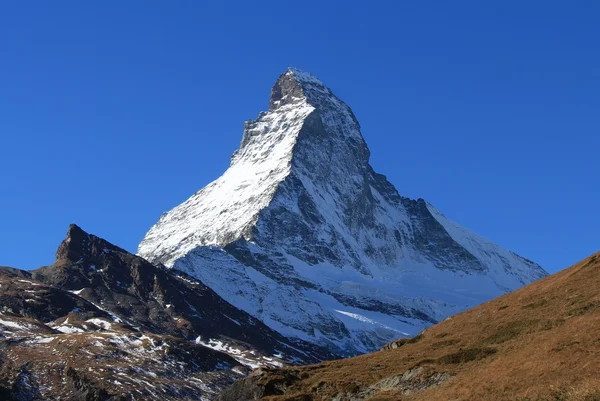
156,299
57,345
103,324
286,90
303,234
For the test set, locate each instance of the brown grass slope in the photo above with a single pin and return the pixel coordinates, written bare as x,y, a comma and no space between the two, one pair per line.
541,342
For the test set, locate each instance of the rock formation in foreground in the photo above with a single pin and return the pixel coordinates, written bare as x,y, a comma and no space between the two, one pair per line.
103,324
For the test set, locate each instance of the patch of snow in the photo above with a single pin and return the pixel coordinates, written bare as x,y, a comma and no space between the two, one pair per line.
69,329
28,282
233,320
100,323
15,325
238,354
44,340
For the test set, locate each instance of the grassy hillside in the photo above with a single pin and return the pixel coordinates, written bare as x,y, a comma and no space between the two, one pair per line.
541,342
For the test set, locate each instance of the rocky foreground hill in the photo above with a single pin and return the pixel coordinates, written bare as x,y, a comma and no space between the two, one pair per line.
539,343
103,324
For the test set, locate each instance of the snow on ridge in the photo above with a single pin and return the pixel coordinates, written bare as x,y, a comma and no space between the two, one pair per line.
227,208
503,261
328,251
303,76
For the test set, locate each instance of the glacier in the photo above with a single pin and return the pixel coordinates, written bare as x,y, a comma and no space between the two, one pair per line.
303,234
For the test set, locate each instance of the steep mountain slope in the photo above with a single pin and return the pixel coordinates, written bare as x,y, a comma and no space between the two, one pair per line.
56,345
106,324
301,233
539,343
161,301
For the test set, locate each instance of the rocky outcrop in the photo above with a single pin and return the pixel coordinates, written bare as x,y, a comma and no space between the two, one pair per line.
160,300
279,382
103,324
260,383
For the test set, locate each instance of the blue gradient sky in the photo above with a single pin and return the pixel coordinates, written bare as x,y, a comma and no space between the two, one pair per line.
113,112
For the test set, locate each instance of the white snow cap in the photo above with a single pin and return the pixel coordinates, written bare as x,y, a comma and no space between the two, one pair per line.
302,233
303,76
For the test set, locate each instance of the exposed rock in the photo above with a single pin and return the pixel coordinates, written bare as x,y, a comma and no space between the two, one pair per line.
103,324
260,383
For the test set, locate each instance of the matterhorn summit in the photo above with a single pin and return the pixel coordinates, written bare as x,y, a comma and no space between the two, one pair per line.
303,234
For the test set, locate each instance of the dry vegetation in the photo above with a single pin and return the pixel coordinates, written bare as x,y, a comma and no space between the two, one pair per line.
540,343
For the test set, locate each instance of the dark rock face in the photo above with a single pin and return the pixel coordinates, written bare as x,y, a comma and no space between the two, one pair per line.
76,247
22,296
103,324
431,239
155,299
285,91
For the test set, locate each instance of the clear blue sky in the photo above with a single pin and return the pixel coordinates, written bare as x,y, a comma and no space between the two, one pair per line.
114,112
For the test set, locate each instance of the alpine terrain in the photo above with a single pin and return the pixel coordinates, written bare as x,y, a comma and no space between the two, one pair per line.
539,343
103,324
301,233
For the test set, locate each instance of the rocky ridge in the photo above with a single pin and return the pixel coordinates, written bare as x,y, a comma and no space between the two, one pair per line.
103,324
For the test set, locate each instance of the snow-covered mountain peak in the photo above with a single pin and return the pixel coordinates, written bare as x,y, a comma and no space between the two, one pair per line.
307,129
295,85
302,233
303,76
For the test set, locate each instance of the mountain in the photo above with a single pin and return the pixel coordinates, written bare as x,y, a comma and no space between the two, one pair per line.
301,233
103,324
539,343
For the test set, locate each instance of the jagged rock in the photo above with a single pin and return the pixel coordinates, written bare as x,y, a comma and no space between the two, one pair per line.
102,324
260,383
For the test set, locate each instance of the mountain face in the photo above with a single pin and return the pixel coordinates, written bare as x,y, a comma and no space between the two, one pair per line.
539,343
103,324
303,234
163,301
